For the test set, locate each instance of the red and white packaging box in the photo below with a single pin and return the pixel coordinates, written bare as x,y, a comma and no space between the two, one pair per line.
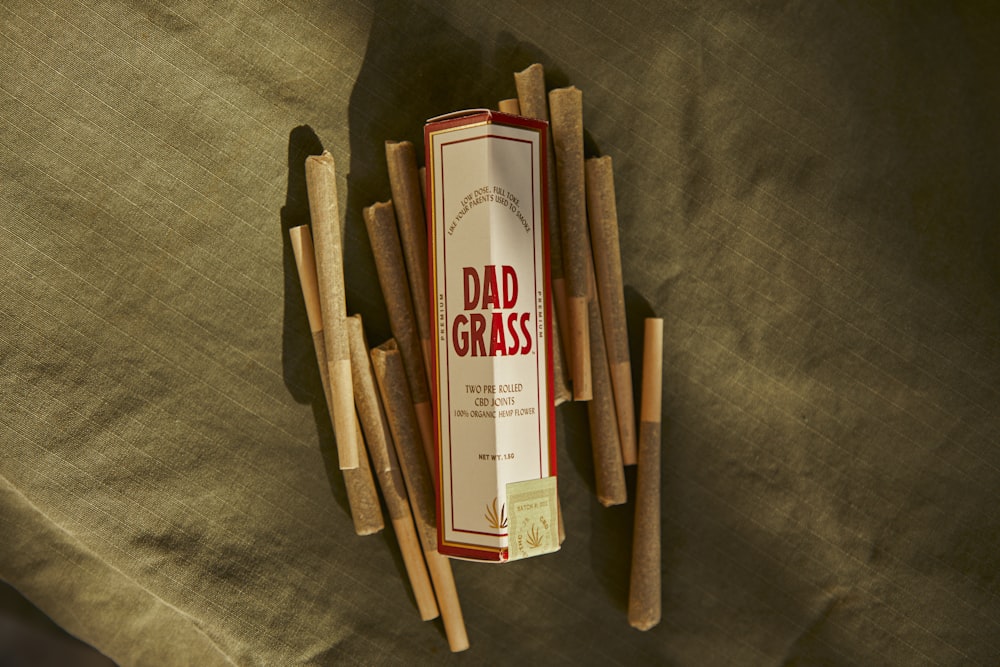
491,359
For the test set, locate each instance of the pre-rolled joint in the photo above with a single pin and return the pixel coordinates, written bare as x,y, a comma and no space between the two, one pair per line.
321,187
644,603
362,496
384,235
406,439
510,106
447,597
644,606
405,431
566,112
609,470
366,398
602,216
416,569
407,197
530,84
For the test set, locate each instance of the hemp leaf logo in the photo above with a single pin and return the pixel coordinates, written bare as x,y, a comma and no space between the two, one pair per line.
533,538
496,519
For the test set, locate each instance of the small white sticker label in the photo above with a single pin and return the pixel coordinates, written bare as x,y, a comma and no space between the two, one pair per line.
533,518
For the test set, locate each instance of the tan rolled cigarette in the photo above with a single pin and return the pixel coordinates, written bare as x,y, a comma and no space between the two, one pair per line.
362,497
644,598
510,106
398,405
391,380
321,185
531,95
603,217
305,263
566,109
416,568
609,471
366,397
379,443
534,103
560,378
380,220
407,198
361,494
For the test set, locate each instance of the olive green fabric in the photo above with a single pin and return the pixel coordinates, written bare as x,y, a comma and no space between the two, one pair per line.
806,193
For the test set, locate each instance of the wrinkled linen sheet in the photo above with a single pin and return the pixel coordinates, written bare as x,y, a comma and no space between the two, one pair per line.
807,193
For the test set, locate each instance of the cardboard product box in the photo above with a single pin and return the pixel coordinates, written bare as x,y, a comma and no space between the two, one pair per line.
493,396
